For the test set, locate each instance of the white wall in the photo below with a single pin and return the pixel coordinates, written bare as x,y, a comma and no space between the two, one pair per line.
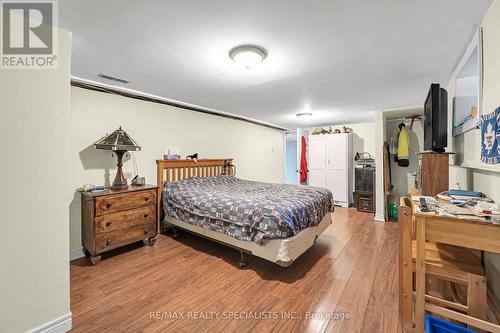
257,150
34,141
380,135
468,145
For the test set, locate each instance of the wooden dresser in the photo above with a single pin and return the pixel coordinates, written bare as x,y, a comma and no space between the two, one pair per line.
111,219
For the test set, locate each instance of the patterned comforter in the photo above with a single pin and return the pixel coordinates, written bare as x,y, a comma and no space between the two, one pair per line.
246,210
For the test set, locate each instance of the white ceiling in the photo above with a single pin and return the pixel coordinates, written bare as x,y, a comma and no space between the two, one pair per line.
340,59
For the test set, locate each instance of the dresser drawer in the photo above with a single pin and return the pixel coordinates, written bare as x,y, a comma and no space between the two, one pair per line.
120,202
364,203
125,220
110,240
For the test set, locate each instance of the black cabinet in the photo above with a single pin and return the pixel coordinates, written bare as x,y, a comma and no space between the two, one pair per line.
363,177
364,180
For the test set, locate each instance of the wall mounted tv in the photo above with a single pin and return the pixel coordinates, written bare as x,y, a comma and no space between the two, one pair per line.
436,119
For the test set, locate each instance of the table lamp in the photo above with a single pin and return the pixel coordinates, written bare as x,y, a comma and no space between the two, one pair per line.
119,142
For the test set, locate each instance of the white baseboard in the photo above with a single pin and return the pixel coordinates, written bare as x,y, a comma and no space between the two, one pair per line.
76,253
379,217
58,325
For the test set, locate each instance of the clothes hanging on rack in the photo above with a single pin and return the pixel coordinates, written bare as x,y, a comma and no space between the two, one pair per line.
303,161
393,144
403,146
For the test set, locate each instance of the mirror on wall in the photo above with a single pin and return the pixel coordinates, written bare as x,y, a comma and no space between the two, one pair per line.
468,88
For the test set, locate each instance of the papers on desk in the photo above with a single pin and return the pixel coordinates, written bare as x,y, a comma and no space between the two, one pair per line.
476,209
483,207
428,200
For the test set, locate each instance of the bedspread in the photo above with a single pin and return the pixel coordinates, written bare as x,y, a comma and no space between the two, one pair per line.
246,210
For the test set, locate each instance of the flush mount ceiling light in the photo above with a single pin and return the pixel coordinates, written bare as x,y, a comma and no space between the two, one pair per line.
247,55
304,114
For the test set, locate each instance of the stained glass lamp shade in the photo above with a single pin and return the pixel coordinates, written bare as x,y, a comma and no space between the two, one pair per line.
119,142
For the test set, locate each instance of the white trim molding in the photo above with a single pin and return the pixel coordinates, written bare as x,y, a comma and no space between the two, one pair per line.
479,165
176,103
58,325
379,217
76,254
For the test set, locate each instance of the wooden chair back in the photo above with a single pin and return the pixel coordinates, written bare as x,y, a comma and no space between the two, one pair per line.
405,221
406,202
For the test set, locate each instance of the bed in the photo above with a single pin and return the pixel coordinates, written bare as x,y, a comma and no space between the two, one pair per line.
276,222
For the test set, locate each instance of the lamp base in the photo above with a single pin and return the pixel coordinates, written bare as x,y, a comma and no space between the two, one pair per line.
119,187
120,183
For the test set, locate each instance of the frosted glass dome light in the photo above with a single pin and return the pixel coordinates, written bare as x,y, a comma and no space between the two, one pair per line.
247,55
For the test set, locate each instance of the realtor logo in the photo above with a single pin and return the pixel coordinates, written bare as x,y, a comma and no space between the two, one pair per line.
29,39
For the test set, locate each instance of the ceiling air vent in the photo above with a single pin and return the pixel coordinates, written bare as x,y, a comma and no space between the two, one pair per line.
112,78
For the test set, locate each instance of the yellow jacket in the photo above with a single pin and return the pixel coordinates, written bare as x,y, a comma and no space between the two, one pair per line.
404,144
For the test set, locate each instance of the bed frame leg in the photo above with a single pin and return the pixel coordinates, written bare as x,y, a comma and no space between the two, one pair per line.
171,227
242,262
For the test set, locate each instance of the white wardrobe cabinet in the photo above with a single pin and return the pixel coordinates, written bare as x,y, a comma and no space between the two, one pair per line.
330,165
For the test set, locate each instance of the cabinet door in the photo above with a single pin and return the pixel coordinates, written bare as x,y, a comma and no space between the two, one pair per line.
317,152
336,181
336,152
317,177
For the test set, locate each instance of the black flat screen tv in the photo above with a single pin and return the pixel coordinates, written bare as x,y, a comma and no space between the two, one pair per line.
436,119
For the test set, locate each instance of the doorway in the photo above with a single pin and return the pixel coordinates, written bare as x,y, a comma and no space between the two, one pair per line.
291,165
293,154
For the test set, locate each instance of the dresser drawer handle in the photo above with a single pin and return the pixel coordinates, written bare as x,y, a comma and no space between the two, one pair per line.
108,205
108,223
146,215
146,199
108,241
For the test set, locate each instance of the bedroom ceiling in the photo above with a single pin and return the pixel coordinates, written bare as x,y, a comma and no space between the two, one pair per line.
338,59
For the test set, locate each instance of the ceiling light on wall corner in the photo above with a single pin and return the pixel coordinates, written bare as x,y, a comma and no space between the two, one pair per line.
304,115
248,55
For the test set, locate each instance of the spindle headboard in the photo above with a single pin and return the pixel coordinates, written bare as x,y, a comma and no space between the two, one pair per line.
173,170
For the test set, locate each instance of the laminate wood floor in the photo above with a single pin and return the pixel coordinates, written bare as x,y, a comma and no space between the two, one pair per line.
347,282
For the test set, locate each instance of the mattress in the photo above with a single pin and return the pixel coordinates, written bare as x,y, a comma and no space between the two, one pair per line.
280,251
246,210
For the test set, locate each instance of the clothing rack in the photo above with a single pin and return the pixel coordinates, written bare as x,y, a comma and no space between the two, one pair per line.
419,117
408,119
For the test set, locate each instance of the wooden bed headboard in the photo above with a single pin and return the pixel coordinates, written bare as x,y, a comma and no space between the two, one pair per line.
173,170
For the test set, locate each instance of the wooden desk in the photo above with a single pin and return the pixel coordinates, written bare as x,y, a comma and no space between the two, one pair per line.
439,229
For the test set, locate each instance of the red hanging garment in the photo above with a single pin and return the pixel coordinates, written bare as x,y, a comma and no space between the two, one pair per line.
303,162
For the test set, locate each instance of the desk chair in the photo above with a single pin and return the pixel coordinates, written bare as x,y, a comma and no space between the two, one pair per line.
455,265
